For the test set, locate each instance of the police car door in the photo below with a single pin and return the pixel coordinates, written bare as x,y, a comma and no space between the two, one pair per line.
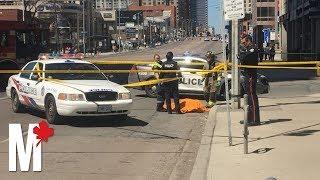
191,81
23,84
33,87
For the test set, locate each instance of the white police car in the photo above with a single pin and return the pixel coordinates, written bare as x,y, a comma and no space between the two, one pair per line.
193,83
67,94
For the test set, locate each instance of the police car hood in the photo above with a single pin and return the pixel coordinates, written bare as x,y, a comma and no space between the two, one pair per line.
94,85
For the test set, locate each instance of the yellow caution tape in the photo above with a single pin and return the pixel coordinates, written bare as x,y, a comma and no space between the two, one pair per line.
136,84
277,67
219,68
138,62
150,82
289,63
99,71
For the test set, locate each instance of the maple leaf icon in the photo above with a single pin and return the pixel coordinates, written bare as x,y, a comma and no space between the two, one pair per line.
43,132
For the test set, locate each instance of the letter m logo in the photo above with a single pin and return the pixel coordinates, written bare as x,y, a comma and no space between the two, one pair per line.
17,148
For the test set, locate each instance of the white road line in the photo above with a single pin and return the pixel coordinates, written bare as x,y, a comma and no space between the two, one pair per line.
3,98
23,134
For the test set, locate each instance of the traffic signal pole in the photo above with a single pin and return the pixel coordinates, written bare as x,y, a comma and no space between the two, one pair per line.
235,62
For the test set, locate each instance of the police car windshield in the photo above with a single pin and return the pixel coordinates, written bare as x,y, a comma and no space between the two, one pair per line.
74,76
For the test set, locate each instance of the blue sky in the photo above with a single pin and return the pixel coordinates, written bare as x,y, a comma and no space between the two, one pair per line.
214,14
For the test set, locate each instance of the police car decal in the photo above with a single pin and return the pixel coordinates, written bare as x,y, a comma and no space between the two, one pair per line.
192,81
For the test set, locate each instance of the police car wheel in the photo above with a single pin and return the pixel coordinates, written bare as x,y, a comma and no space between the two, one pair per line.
51,111
17,107
151,91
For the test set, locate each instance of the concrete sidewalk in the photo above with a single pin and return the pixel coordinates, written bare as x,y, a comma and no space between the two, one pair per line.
285,147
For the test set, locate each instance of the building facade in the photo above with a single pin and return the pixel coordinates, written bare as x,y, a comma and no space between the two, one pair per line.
111,4
64,20
198,12
202,13
263,16
302,24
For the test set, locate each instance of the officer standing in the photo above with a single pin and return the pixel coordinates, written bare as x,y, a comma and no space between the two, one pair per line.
210,80
171,87
160,92
249,56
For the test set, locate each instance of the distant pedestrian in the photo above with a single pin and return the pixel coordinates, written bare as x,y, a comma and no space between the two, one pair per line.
249,56
113,48
210,80
160,90
261,53
272,53
266,52
171,87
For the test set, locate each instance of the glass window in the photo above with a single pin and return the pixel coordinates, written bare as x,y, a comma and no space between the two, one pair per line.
29,67
74,76
3,39
39,67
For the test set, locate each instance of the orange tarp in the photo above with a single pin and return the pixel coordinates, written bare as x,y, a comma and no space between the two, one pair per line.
190,106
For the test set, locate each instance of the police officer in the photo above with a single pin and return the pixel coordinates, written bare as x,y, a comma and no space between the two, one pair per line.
210,80
160,92
171,87
250,56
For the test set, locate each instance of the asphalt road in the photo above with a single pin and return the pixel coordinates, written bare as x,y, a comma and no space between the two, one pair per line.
194,46
149,145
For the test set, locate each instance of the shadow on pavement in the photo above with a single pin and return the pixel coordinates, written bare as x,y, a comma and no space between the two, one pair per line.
271,121
262,150
284,133
37,113
302,133
283,104
112,121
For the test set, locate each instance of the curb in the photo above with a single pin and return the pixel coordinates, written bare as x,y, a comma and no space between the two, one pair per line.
199,171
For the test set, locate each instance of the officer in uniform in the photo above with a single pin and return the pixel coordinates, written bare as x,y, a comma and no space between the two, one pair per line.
250,56
160,92
171,87
210,82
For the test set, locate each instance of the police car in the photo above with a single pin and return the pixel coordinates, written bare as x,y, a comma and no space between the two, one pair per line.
193,83
67,94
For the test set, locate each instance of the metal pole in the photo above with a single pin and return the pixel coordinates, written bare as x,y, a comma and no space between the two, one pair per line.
119,33
78,30
226,80
245,124
56,28
83,27
235,62
150,31
138,25
226,85
23,10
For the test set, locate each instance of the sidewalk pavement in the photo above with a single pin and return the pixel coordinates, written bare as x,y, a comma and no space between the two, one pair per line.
285,147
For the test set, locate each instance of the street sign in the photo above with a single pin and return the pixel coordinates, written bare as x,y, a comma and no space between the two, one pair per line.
266,35
234,9
272,36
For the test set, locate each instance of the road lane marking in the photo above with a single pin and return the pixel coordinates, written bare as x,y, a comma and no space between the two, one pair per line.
23,134
3,98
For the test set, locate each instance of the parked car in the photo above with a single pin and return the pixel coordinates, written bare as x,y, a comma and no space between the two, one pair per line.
67,94
193,83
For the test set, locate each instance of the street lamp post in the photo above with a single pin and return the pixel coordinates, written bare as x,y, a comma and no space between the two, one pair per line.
119,19
83,27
